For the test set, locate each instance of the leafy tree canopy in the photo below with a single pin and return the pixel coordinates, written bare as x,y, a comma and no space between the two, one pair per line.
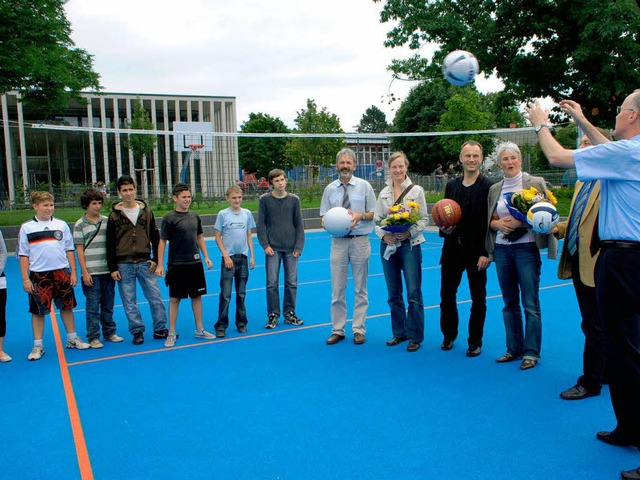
587,50
314,152
373,121
140,144
38,57
436,106
260,155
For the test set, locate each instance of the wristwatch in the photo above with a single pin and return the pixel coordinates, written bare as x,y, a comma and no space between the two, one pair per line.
537,128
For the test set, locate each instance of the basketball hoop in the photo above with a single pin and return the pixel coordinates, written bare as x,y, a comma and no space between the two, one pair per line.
196,146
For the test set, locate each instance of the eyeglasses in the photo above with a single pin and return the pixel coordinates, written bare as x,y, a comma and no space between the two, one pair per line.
620,109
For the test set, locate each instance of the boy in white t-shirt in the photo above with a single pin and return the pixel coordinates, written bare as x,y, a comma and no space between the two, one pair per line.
233,236
48,267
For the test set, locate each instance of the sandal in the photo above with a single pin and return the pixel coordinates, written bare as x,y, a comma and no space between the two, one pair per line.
528,363
507,357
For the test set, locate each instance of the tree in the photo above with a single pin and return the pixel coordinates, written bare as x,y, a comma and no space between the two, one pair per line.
420,112
260,155
38,57
140,144
587,50
464,111
312,153
373,121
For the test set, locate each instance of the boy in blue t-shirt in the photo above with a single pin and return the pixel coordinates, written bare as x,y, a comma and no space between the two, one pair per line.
233,236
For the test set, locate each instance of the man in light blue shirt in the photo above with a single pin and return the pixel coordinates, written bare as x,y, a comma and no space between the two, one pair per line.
357,196
617,275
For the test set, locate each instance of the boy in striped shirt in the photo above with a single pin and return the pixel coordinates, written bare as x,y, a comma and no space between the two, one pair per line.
90,239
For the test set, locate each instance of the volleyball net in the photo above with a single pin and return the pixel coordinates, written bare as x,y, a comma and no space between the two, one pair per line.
67,159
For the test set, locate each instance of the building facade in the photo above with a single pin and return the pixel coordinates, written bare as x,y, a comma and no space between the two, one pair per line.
88,143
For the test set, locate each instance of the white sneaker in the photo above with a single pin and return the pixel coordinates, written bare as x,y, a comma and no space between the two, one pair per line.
77,343
205,334
5,358
96,343
114,338
171,340
36,353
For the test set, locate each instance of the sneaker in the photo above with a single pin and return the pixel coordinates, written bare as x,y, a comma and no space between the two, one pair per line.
242,328
78,344
273,321
171,340
220,333
36,353
96,343
291,319
205,334
115,338
5,358
161,333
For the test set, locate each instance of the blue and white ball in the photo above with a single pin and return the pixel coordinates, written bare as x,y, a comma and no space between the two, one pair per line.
542,216
460,68
337,221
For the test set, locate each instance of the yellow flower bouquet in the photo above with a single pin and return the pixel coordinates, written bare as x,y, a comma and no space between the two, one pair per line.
400,217
519,203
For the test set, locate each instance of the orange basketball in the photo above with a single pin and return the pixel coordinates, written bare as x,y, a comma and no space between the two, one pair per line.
446,213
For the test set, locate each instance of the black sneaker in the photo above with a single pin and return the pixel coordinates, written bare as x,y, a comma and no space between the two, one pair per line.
474,350
138,338
220,333
242,328
291,319
273,321
161,334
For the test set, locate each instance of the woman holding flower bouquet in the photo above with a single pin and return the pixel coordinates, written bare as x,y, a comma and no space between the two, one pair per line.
401,217
513,245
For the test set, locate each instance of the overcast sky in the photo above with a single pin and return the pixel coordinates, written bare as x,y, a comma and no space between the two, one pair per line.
271,56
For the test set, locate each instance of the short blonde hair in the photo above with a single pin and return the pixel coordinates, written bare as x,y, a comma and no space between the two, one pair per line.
234,189
39,196
396,155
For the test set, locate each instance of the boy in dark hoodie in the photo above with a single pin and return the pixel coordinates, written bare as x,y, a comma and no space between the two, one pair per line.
132,248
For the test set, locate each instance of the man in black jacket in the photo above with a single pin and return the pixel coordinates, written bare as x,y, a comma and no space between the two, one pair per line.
464,250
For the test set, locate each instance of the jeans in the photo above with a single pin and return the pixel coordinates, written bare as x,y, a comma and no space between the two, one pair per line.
129,273
290,264
518,268
239,273
454,262
356,251
407,262
99,306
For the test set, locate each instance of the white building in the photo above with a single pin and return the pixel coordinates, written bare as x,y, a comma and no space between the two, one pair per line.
33,155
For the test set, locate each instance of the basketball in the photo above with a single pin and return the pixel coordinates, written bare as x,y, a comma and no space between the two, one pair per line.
446,213
460,68
337,221
542,216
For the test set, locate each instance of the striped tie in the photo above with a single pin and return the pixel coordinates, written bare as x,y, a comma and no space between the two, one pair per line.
346,203
576,216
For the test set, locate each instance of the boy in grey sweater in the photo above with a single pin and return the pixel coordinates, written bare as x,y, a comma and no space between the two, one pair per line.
281,235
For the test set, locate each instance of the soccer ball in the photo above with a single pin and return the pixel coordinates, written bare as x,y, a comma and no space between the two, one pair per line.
337,221
542,216
460,68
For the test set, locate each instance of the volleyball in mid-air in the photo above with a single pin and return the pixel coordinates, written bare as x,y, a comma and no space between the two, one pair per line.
337,221
542,216
460,68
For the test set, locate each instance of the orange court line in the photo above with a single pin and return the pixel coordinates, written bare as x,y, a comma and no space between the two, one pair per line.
86,472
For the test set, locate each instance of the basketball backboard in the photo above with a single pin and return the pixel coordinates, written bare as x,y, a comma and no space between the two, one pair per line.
192,133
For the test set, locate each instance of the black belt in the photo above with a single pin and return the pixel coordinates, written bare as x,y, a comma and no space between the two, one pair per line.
353,236
622,244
